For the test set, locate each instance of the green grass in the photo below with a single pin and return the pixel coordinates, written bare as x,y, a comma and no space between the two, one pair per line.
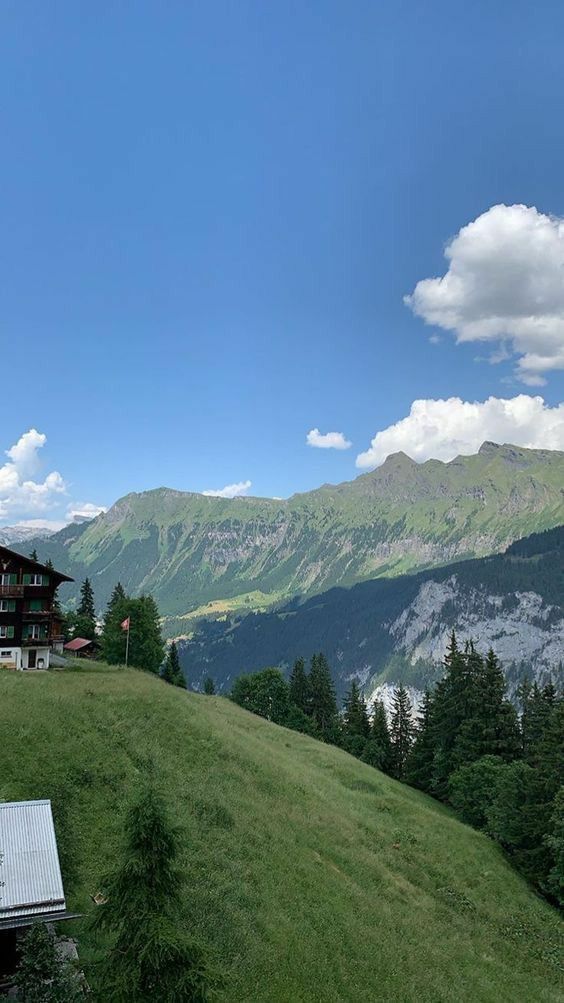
310,876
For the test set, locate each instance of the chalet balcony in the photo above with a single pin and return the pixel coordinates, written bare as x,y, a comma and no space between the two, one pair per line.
36,614
41,642
11,591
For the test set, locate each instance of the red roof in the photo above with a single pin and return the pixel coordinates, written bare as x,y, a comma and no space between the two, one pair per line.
77,643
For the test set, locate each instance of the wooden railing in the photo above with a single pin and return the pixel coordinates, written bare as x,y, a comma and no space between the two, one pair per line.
11,590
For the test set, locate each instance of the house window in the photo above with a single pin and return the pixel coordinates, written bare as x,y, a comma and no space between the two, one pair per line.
6,631
33,632
5,654
7,605
8,579
36,579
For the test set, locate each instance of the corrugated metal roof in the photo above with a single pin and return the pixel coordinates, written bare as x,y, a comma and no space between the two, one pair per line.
77,643
30,873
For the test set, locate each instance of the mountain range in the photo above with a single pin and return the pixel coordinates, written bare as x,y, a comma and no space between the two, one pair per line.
10,535
388,631
201,555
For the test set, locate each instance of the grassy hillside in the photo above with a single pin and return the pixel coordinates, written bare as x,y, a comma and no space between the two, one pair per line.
312,877
190,550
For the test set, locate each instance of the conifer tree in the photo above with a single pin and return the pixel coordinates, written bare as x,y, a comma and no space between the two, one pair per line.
299,686
380,729
151,957
356,725
43,974
174,668
419,771
117,596
33,555
453,704
496,717
401,731
209,686
323,702
85,618
377,751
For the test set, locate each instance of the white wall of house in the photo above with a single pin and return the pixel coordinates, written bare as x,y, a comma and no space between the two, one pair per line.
10,656
18,658
41,658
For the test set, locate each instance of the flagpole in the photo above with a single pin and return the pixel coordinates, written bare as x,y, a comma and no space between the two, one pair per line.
127,641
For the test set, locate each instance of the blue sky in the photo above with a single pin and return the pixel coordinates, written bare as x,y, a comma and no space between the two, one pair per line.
212,213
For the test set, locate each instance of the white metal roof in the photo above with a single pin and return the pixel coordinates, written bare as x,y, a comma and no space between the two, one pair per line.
30,873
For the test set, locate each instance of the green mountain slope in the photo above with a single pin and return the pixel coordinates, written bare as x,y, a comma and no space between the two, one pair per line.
393,630
312,877
188,549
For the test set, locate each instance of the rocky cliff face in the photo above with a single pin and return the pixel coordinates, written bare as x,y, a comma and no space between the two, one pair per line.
526,632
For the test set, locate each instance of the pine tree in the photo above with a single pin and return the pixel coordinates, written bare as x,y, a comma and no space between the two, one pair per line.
209,686
171,667
151,957
117,596
419,770
377,751
173,672
401,731
85,618
43,975
454,702
323,702
356,725
299,686
496,717
33,555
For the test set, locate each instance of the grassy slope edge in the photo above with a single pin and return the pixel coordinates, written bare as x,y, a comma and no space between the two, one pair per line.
311,876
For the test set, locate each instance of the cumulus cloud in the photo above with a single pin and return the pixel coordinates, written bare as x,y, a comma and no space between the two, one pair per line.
19,492
443,429
230,490
84,510
329,440
504,284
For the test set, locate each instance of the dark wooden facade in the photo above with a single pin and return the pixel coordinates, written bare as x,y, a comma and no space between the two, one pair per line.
29,625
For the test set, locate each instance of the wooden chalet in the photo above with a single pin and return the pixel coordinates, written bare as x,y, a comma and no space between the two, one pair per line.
29,623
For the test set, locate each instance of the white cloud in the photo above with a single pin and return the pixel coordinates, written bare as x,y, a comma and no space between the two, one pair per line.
84,510
18,491
24,493
442,429
330,440
505,282
230,490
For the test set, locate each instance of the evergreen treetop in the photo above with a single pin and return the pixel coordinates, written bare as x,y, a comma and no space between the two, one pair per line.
299,686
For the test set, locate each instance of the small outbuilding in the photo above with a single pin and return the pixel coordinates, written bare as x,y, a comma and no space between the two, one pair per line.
81,647
31,885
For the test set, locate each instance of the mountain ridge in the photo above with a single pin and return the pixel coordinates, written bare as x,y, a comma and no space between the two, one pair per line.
388,631
190,549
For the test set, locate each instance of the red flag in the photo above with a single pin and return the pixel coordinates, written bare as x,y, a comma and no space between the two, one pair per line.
125,624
